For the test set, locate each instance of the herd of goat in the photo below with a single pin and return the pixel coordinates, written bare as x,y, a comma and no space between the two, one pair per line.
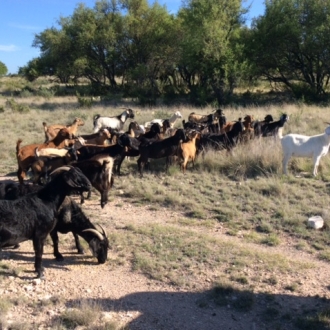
67,163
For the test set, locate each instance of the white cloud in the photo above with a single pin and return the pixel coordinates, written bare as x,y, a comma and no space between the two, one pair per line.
8,48
24,27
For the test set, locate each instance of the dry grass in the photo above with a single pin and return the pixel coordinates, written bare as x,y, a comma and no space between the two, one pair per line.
245,193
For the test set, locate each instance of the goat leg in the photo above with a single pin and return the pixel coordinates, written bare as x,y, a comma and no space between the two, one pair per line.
78,245
57,254
38,245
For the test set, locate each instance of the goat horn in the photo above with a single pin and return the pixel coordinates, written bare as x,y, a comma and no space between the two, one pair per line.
103,231
95,232
62,168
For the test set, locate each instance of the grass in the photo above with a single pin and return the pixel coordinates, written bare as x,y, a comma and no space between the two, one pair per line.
85,313
234,209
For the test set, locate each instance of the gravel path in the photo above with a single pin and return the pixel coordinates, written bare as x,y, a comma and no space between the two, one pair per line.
129,298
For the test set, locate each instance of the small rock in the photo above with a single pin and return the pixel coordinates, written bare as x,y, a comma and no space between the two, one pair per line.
36,281
316,222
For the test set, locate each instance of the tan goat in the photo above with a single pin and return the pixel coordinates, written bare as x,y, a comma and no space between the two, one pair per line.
98,138
26,155
52,130
187,150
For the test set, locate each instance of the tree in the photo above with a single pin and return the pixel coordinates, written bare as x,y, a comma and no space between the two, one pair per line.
32,70
3,69
149,47
209,62
290,44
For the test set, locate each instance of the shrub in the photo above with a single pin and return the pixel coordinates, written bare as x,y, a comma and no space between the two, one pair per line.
16,107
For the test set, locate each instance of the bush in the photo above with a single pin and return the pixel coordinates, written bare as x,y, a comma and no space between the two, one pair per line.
16,107
84,102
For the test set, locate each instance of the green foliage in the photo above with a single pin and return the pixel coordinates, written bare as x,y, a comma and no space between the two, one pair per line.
209,49
3,69
289,45
16,107
84,102
32,70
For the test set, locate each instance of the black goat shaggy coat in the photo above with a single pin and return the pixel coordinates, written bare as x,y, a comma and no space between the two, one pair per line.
33,216
71,218
222,141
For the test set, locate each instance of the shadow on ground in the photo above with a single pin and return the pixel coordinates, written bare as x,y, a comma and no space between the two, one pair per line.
219,309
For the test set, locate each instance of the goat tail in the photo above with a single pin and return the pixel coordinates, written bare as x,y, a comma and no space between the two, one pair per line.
18,145
96,117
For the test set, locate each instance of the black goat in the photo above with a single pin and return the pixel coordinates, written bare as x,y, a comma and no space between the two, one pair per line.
152,135
257,125
274,128
71,218
99,174
222,141
33,217
160,149
10,189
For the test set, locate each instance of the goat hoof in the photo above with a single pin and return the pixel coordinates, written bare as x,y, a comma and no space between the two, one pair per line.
59,258
81,252
15,247
41,276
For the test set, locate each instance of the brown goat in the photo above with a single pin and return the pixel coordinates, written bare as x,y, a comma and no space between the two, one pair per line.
247,124
26,155
98,138
52,130
187,150
248,132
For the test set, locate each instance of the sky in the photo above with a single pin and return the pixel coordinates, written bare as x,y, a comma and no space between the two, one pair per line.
20,20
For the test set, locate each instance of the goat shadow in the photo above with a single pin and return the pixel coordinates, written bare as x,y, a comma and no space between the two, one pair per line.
211,310
25,259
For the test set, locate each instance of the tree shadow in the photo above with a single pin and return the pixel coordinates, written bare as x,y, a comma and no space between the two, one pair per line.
214,310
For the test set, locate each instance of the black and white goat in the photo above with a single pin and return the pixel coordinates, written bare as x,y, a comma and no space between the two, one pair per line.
116,122
33,216
274,128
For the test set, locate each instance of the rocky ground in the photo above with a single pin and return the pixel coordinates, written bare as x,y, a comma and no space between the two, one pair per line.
128,298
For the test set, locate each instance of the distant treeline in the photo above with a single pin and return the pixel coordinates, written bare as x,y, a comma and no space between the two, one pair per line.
203,52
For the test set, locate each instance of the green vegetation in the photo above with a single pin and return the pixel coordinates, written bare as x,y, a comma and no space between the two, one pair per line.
201,54
232,212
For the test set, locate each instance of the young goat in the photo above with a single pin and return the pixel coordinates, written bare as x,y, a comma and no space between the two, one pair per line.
26,155
171,120
98,138
52,130
297,145
187,150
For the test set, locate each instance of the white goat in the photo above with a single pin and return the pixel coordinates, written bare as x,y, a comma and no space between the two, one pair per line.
172,120
116,122
297,145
